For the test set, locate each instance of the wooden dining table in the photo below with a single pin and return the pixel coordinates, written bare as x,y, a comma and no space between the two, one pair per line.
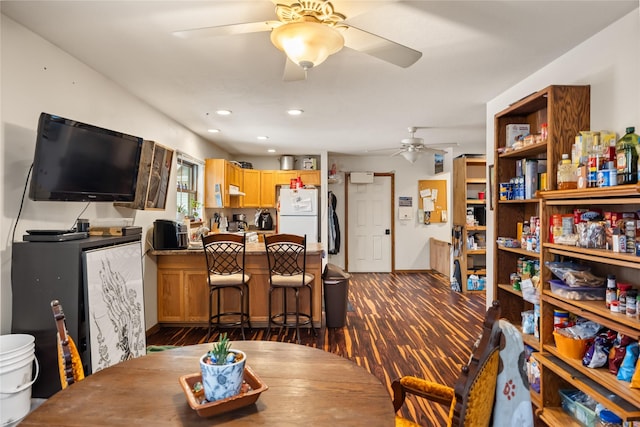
306,387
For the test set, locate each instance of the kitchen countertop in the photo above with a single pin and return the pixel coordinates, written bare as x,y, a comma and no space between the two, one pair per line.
251,249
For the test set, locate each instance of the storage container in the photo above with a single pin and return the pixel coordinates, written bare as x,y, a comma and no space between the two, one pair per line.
571,347
573,402
558,287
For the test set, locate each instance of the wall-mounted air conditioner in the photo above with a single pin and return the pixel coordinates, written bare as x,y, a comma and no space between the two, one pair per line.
361,177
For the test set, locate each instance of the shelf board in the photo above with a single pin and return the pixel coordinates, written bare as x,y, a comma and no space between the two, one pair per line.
476,180
520,251
528,151
507,202
620,259
476,201
476,228
556,416
599,383
596,311
476,251
478,272
630,190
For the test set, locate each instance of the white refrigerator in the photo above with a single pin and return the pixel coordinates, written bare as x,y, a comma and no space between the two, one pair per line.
298,212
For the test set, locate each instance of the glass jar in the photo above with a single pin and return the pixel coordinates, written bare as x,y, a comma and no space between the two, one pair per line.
627,157
566,176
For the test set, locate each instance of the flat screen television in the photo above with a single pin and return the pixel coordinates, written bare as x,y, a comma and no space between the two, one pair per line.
76,161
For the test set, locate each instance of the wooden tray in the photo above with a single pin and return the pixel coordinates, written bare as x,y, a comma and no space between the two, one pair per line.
251,389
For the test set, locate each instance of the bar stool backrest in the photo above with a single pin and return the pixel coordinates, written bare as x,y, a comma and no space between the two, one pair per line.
225,253
286,254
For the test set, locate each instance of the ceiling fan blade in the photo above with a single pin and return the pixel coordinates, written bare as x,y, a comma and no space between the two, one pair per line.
442,145
293,72
228,30
397,152
379,47
432,150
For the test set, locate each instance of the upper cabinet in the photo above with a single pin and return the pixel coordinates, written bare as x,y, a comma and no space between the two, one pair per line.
219,175
258,186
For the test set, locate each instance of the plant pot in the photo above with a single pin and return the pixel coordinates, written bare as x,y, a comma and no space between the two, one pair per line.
222,381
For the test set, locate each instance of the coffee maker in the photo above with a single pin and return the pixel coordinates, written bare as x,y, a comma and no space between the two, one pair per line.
238,223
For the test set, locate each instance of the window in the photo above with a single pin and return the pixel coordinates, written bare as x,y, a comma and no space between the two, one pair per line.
189,197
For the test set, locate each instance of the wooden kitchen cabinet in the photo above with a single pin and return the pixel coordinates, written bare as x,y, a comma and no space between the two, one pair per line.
284,177
219,174
308,177
267,189
181,287
251,186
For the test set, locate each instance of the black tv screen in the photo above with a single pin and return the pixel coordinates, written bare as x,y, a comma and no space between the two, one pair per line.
76,161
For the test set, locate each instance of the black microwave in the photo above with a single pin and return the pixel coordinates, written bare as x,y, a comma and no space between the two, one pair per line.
169,234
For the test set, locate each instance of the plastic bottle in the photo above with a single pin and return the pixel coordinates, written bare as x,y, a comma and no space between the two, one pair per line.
566,177
611,294
627,157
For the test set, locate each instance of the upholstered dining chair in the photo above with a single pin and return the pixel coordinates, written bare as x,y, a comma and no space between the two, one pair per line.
225,257
471,400
286,257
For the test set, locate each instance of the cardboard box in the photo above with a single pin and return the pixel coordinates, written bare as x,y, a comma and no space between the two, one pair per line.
515,133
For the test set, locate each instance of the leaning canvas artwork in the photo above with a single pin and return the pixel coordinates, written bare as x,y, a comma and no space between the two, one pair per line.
115,304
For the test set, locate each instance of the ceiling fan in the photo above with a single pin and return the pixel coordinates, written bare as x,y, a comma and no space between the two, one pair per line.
309,31
413,147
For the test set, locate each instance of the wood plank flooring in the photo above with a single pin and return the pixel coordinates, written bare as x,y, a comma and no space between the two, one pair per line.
398,324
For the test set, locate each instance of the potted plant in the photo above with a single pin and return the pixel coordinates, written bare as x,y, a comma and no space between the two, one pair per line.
195,209
222,370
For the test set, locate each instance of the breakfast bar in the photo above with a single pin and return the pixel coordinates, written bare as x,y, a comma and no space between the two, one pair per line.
183,289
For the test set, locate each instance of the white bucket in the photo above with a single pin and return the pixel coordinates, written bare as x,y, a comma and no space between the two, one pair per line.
15,378
15,344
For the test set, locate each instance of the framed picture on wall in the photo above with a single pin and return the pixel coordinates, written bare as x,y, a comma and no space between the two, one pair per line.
115,304
438,163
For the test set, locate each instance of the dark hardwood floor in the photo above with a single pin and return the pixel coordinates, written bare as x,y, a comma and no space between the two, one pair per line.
397,324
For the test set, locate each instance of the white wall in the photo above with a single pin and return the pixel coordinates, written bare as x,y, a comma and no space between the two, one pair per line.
37,76
609,62
411,237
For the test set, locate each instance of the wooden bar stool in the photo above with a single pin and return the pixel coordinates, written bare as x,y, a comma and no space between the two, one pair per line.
286,257
225,255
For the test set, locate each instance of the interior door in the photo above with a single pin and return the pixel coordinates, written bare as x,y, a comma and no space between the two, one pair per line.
369,226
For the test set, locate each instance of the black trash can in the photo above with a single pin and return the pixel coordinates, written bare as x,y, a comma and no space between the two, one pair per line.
336,291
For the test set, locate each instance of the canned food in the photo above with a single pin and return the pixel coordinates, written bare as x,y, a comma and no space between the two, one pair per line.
514,279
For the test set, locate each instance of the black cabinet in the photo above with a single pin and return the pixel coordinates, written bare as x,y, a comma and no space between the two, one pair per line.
40,273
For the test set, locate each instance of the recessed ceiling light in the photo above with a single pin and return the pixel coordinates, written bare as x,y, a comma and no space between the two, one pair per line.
295,112
223,112
262,137
213,130
271,150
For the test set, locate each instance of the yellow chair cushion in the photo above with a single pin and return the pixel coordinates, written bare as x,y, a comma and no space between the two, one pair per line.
228,279
291,281
429,387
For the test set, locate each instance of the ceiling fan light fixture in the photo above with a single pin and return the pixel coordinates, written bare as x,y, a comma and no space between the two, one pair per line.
307,43
410,155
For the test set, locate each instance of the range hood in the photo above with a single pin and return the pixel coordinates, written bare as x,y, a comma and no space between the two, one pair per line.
234,190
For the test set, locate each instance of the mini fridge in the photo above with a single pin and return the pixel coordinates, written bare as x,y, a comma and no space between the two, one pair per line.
298,212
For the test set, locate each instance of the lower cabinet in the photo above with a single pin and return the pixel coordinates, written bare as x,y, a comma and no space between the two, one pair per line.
182,289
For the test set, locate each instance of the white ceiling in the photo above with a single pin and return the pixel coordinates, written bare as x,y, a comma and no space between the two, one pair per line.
472,51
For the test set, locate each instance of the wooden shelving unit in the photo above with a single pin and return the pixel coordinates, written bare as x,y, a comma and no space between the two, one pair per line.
469,182
566,111
559,371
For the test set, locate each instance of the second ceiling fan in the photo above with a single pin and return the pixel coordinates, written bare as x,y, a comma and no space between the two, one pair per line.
413,146
309,32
